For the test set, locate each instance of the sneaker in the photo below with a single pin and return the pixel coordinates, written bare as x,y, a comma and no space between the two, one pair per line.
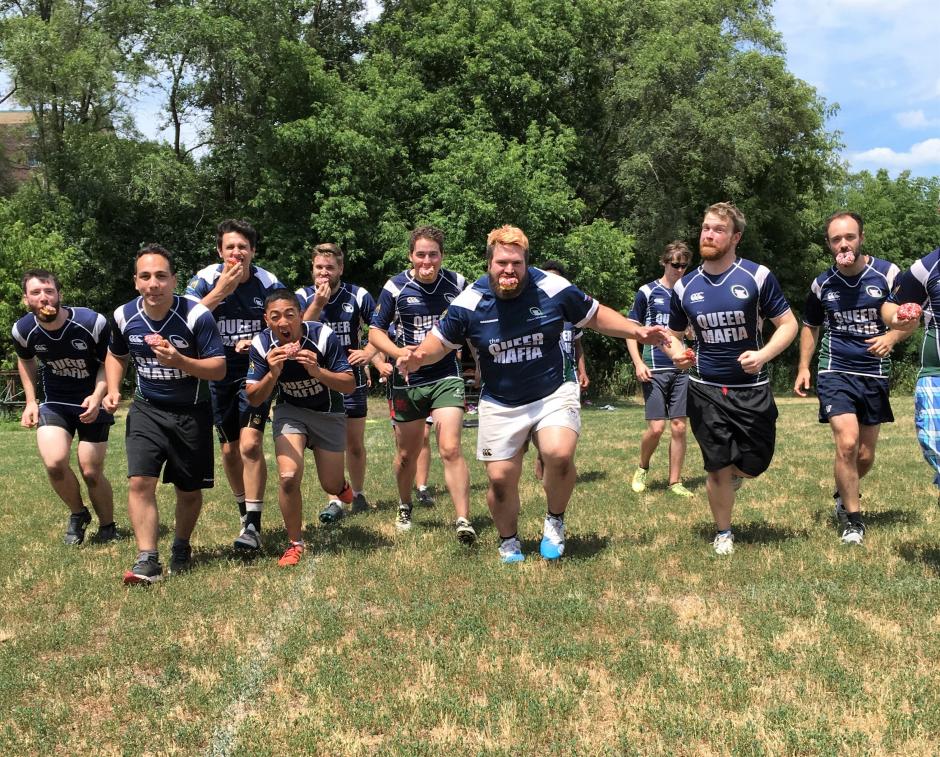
639,480
465,533
181,559
853,534
249,540
107,533
510,550
403,521
553,538
679,490
424,498
144,571
723,544
292,555
359,504
75,531
332,513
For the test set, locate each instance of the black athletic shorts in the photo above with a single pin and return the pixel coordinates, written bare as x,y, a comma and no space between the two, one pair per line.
734,425
66,416
863,396
179,437
231,411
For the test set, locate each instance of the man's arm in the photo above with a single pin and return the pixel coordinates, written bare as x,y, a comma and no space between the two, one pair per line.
785,328
380,340
227,283
208,368
430,351
611,323
809,335
92,403
643,372
114,367
29,373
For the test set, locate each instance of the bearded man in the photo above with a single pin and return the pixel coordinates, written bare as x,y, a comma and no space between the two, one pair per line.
515,316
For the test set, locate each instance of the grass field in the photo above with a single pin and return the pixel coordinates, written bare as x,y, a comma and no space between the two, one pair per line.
640,641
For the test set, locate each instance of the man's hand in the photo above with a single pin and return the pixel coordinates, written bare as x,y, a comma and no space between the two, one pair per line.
386,370
357,357
803,382
322,295
229,279
276,359
583,381
242,346
166,354
643,374
308,359
883,344
410,361
655,335
91,405
752,361
30,417
111,401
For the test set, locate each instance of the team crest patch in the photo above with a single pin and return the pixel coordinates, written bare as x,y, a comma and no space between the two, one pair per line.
536,312
179,342
348,307
258,302
740,292
697,297
874,291
78,344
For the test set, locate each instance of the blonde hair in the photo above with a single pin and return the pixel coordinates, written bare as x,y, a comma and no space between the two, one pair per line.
507,235
728,211
328,249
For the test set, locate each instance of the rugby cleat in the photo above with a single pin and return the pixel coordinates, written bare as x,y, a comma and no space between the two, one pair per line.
639,480
510,551
249,540
723,544
853,534
403,519
292,555
75,530
465,533
424,498
332,513
359,504
553,538
145,571
679,490
106,533
181,558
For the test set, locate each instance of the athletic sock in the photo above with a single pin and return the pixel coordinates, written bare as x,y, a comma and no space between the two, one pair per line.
855,519
726,532
179,541
253,509
552,515
422,488
240,501
504,539
149,554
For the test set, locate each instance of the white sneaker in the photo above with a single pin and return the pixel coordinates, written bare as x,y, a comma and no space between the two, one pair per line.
249,540
853,534
403,521
553,538
511,551
723,544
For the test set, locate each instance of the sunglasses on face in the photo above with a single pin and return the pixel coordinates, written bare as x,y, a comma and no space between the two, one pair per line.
679,266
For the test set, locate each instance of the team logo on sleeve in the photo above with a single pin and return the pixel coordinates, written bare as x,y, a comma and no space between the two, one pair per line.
536,312
740,292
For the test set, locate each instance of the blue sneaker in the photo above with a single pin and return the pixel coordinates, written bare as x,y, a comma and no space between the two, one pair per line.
511,551
553,538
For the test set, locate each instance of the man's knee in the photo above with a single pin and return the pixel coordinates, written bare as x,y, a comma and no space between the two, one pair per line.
92,475
289,481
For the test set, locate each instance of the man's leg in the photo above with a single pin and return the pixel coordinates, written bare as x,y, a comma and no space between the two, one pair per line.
409,436
254,481
188,507
142,511
502,496
557,446
233,467
677,444
91,464
720,487
867,442
423,471
289,450
55,447
650,441
356,453
330,467
448,421
845,434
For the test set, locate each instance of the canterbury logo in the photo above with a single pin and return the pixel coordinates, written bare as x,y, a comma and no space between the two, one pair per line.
487,452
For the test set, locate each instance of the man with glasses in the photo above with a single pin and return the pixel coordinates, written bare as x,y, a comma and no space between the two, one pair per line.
664,386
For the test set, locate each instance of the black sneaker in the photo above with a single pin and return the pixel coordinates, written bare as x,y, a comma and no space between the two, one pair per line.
332,512
107,533
145,571
424,498
75,531
854,533
181,559
359,504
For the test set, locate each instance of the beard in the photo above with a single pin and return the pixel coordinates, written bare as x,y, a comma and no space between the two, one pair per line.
708,252
47,313
508,288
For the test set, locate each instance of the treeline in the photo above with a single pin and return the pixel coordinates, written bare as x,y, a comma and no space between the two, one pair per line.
602,127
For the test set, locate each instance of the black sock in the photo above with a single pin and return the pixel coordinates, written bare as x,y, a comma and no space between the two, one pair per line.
560,517
240,501
507,538
856,519
179,542
253,518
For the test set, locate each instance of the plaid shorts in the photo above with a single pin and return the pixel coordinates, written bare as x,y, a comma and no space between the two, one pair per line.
927,420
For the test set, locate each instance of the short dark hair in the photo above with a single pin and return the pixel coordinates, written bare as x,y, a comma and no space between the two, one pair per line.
282,293
673,248
843,214
152,248
555,265
329,249
426,232
42,275
235,225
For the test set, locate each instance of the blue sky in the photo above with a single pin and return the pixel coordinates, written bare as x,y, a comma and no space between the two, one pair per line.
880,61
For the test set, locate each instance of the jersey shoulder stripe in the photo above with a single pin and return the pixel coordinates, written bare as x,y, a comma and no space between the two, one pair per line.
266,278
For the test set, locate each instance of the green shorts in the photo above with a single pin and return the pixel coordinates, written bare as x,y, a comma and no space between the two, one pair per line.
416,403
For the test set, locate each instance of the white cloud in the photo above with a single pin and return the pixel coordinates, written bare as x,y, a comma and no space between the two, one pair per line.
915,119
926,153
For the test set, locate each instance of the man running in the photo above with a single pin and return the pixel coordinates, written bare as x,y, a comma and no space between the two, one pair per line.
70,344
307,364
664,387
413,302
854,362
514,317
346,309
177,350
730,405
234,290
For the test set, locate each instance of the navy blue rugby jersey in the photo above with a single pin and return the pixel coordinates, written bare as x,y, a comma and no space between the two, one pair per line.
850,309
651,308
413,308
189,327
69,357
921,284
240,315
295,386
519,341
727,313
347,312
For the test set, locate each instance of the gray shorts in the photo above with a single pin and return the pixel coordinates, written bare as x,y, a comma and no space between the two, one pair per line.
665,395
326,431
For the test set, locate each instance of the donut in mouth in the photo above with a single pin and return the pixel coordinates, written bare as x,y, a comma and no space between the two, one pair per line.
47,312
507,283
845,258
